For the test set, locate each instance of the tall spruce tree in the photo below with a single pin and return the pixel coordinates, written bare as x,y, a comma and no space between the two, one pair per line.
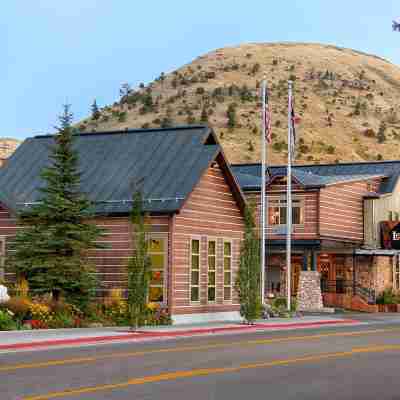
50,250
139,265
248,281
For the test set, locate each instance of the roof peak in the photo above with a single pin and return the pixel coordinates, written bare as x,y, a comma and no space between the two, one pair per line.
132,130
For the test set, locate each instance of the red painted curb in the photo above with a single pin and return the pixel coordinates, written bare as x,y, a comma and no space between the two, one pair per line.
144,334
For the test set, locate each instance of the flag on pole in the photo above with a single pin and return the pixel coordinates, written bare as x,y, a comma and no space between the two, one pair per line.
293,121
267,118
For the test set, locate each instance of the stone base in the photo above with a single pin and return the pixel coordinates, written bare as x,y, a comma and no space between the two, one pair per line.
309,297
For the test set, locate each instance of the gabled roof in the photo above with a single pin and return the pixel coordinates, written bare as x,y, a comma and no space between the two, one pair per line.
320,175
169,162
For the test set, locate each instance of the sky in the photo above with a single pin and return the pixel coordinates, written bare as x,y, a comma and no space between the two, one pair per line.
57,52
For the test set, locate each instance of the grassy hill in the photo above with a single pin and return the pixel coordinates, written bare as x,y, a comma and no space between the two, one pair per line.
348,101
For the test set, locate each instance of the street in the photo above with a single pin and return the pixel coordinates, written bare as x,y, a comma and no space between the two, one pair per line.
352,362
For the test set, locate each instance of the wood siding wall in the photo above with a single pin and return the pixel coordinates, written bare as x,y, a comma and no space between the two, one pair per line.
309,229
210,212
110,262
342,209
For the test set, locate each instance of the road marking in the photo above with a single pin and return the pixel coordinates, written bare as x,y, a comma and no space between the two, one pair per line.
210,371
82,360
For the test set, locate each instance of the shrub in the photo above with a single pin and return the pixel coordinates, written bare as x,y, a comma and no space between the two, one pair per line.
386,297
200,90
330,149
6,321
19,306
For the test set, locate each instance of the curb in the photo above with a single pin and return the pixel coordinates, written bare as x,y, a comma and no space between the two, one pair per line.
184,333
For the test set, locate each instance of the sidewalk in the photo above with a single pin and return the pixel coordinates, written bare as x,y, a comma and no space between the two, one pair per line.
36,339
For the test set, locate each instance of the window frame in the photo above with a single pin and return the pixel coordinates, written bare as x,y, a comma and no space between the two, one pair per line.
280,204
230,241
193,238
163,236
215,255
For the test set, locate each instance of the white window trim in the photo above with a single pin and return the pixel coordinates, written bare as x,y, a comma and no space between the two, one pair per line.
212,239
164,236
227,240
196,302
282,199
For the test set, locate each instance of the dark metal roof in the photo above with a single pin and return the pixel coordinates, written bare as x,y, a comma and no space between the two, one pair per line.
169,161
327,174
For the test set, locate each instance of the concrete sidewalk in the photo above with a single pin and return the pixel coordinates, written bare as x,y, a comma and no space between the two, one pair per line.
31,339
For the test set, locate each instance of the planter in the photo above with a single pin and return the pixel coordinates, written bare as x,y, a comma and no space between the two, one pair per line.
389,308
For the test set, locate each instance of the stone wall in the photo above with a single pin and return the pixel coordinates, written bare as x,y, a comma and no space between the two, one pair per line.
383,268
309,297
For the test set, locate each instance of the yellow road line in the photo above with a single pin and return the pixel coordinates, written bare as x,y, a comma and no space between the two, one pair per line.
82,360
210,371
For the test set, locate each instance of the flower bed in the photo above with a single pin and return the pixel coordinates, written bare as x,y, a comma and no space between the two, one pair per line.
43,312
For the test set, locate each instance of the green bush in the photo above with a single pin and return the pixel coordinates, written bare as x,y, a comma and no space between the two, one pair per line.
6,321
386,297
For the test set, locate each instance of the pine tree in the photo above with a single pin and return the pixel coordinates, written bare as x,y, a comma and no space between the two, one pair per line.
231,114
204,115
95,111
50,250
139,266
248,283
381,137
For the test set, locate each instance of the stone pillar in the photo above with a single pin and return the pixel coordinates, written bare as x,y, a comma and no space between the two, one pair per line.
309,297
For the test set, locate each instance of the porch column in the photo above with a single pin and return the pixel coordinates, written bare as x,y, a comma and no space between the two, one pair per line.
314,260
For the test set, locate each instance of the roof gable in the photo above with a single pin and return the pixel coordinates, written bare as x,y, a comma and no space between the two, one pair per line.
169,162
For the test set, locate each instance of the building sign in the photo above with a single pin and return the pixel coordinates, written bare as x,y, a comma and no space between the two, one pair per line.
390,234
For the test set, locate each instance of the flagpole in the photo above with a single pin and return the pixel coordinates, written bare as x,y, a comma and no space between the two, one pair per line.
289,199
263,185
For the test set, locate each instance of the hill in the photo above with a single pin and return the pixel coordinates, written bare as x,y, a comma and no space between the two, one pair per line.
348,101
7,147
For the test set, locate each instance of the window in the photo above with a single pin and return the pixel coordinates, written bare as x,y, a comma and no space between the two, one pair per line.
212,247
396,274
227,271
195,271
157,253
277,212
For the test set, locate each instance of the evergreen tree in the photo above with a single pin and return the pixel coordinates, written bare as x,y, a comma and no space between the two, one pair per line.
381,137
95,111
248,283
139,266
231,114
50,250
204,115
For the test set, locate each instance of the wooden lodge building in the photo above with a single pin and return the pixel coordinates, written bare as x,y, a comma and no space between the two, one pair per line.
195,200
345,223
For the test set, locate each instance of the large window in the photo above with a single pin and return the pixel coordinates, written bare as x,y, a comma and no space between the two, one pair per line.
277,212
227,271
195,271
157,249
212,252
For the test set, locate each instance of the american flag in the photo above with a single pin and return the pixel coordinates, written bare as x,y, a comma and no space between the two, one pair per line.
267,117
294,119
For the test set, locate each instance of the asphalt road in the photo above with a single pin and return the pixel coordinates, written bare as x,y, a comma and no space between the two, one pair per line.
353,362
